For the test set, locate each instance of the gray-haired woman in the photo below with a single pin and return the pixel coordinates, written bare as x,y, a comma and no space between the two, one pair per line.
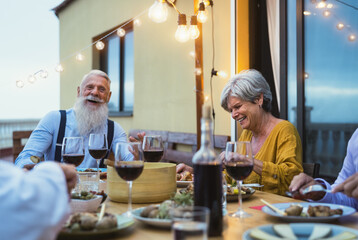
275,142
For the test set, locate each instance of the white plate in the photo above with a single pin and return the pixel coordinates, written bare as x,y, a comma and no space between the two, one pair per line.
282,206
183,184
156,222
123,223
301,230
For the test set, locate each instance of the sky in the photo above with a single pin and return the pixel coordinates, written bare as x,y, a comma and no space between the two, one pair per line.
29,42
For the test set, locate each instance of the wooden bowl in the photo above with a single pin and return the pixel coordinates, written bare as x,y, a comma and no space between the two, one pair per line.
156,184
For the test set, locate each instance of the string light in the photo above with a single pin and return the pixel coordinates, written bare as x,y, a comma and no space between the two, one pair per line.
31,79
59,68
329,5
121,32
193,29
321,4
43,73
326,13
100,45
182,34
20,84
340,26
307,13
221,74
137,22
80,57
158,12
352,37
192,54
197,71
202,13
306,75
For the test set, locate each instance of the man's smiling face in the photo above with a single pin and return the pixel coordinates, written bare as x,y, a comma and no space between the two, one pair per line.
96,90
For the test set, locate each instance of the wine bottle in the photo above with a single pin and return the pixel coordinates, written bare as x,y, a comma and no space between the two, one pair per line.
208,189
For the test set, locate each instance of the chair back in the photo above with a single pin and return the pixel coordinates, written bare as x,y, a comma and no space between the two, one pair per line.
311,169
17,145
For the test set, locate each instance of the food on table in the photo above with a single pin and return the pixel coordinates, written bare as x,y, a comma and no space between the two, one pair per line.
83,195
294,210
185,176
323,211
233,190
319,231
89,221
258,234
284,230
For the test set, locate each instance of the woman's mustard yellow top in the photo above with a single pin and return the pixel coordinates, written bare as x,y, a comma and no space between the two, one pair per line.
281,155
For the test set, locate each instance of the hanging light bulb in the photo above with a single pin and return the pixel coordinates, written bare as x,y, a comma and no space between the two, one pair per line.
221,74
59,68
182,34
121,32
80,57
202,13
306,75
43,73
193,29
321,4
20,84
329,5
307,13
197,71
192,54
100,45
137,22
352,37
326,13
340,26
31,78
158,12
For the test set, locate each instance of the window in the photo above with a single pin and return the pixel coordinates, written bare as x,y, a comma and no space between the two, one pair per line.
117,60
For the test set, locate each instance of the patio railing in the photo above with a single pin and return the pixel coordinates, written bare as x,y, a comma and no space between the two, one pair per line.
8,126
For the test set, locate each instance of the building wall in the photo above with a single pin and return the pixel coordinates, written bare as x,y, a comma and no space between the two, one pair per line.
164,71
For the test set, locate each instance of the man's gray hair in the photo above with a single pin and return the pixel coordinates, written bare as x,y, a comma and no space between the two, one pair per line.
248,86
95,72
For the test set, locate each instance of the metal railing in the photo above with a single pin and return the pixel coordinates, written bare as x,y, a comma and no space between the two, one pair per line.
8,126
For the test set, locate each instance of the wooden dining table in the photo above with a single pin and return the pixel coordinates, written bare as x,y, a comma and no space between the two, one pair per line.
233,227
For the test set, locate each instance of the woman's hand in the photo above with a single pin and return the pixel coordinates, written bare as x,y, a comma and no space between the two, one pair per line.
140,137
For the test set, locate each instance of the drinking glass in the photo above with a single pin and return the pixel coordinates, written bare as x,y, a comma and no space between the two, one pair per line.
98,147
73,151
239,164
129,165
153,148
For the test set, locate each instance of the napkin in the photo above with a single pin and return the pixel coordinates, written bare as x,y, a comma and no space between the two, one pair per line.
258,207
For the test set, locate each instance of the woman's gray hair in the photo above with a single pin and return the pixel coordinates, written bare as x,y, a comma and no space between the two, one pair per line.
95,72
248,86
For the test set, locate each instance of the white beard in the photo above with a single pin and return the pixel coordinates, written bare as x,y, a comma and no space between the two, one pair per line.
88,119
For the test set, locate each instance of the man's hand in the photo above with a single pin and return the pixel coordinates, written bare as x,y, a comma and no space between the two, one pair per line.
349,186
302,181
70,174
29,166
181,167
140,137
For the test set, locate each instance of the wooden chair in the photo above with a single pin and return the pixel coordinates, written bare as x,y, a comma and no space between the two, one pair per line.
17,145
311,169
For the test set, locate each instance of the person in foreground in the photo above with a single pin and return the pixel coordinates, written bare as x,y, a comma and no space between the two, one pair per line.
276,144
34,204
345,188
88,115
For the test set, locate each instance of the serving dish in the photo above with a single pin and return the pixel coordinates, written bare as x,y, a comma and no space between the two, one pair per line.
156,222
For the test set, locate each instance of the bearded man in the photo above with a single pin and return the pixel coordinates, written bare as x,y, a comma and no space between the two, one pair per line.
88,115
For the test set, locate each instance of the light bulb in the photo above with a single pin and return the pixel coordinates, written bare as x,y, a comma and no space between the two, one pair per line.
192,54
158,12
20,84
137,22
59,68
202,13
31,78
352,37
193,29
307,13
182,33
100,45
326,13
306,75
321,4
121,32
197,71
340,26
222,74
80,57
43,73
329,5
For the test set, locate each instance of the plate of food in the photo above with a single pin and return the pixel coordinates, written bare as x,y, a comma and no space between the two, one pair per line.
232,193
309,212
184,179
300,231
85,224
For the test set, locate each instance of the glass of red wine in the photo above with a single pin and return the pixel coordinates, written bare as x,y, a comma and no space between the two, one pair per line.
239,164
98,147
129,164
153,148
73,151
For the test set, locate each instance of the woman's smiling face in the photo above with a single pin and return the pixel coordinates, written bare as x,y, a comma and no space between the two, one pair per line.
246,113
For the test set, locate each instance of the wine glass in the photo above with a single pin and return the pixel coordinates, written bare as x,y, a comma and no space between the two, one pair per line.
239,164
153,148
129,165
73,151
98,147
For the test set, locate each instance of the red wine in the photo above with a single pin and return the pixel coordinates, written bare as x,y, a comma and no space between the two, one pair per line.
189,230
75,159
208,193
239,172
98,153
153,155
129,172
